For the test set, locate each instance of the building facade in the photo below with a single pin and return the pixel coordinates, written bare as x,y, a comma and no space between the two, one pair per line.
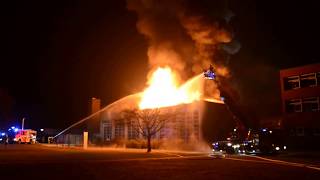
300,93
184,126
94,123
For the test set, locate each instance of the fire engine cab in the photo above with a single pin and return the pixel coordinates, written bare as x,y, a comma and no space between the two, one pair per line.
26,136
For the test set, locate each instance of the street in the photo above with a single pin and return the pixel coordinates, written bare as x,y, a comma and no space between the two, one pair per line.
38,161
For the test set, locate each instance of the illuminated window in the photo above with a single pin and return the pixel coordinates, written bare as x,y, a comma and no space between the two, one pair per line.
195,114
308,80
119,129
167,130
107,128
310,104
196,128
133,129
292,82
294,105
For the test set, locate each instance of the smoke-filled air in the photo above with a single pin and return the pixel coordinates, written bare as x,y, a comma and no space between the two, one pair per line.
183,41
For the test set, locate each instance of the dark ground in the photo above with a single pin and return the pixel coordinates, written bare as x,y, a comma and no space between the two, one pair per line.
305,157
36,161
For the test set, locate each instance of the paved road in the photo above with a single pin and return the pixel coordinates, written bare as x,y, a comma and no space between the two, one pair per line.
36,161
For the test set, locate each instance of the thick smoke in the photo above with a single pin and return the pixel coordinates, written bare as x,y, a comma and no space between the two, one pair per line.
207,36
187,36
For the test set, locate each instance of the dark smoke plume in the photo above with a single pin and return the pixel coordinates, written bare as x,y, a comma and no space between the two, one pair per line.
185,35
188,36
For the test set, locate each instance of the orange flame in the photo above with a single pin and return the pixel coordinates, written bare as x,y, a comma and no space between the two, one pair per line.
164,91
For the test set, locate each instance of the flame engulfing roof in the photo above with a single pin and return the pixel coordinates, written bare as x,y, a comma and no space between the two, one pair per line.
164,90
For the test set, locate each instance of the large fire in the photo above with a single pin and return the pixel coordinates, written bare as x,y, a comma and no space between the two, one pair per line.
164,91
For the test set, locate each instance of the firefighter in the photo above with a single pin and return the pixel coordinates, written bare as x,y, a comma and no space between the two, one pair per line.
6,140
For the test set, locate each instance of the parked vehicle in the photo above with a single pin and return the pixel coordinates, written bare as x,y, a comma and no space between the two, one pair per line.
26,136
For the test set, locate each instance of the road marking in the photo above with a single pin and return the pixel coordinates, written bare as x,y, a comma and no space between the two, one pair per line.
289,163
171,154
245,160
266,160
313,167
104,160
147,159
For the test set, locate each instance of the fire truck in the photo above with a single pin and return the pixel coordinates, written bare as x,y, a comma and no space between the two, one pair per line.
243,139
26,136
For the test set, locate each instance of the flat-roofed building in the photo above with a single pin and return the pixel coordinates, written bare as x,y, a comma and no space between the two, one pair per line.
183,126
300,93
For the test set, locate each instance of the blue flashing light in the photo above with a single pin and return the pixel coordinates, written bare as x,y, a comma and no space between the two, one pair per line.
209,75
3,134
12,127
264,130
16,130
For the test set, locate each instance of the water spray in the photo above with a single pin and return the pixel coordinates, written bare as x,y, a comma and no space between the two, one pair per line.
194,84
96,113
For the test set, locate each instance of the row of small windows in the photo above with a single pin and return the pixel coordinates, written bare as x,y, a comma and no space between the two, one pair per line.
300,131
304,80
119,129
107,131
310,104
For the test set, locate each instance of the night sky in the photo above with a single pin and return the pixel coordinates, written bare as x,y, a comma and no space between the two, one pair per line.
56,55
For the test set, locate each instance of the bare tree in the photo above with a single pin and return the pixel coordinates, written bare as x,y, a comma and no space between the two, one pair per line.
148,122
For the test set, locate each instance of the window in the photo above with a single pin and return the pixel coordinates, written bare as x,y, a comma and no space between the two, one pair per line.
300,131
107,130
293,105
133,129
119,129
292,132
310,104
196,127
308,80
195,114
292,82
316,131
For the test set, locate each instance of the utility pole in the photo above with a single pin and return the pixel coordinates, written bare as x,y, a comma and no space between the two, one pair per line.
85,140
22,126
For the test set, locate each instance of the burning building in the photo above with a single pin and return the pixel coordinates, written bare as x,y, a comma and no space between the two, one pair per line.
184,38
182,105
182,127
